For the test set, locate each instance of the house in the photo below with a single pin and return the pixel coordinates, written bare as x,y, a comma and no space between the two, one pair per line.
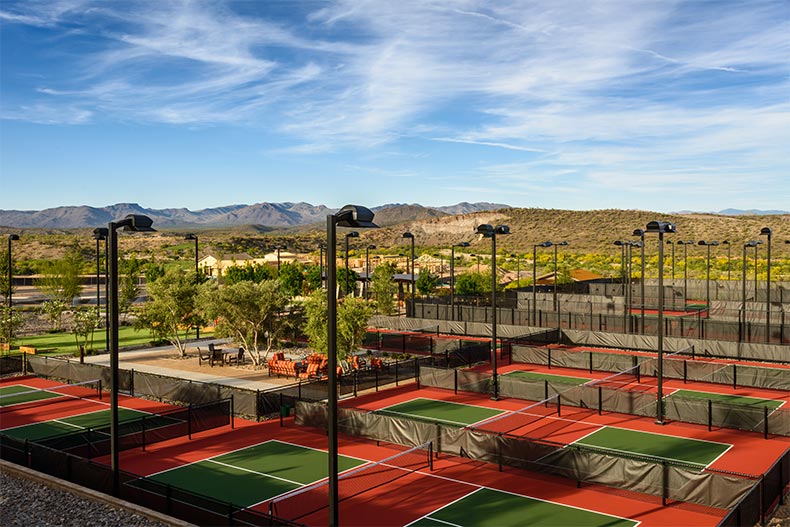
576,275
215,266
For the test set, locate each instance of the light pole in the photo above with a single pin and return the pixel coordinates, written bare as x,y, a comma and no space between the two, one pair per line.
133,223
102,233
352,234
707,278
518,268
742,325
490,232
554,300
367,269
660,228
409,235
766,231
729,246
535,280
279,247
641,234
756,243
452,276
670,242
321,263
623,244
197,274
356,217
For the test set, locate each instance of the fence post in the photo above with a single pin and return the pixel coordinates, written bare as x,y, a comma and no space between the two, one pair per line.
232,412
455,385
258,405
549,361
734,376
356,379
546,392
685,370
131,382
590,355
189,421
600,400
765,422
710,415
417,372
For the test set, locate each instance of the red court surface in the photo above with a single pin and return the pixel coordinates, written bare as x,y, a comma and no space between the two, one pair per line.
417,494
750,453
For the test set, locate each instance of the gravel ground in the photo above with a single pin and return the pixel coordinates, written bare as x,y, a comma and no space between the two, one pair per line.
26,503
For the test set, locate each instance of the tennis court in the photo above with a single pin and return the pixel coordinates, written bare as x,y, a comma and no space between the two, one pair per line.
701,453
254,474
16,394
733,400
486,506
433,410
537,376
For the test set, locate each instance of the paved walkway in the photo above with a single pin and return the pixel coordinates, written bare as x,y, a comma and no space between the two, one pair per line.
129,360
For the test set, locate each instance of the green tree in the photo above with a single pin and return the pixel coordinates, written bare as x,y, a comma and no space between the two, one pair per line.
10,322
153,271
61,278
384,288
4,275
85,322
426,283
353,315
353,277
312,277
171,308
249,272
54,310
248,312
473,284
291,276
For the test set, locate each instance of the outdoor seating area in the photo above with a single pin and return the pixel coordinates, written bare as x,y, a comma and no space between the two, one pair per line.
221,356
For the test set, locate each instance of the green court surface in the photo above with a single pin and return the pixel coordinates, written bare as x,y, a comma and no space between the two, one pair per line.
253,474
19,393
492,507
536,376
64,425
683,449
440,411
734,400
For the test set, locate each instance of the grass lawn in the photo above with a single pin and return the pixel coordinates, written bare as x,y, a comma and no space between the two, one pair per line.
64,343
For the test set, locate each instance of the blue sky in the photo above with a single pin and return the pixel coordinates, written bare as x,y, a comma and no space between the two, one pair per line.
654,105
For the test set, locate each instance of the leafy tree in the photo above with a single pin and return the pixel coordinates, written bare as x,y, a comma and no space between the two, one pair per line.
353,277
10,322
384,288
316,321
4,275
54,310
61,278
85,321
249,272
171,308
312,277
291,277
472,284
128,284
247,311
426,283
353,315
153,271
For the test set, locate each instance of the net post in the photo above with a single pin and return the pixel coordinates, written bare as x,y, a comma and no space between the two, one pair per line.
546,391
299,389
455,381
638,369
692,352
430,456
710,415
734,376
258,405
131,382
590,355
100,389
549,360
765,422
559,405
600,400
685,370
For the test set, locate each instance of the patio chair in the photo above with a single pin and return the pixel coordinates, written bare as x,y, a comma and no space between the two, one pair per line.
238,359
206,356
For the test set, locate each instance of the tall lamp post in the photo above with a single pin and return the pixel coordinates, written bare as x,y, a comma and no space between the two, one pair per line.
623,244
279,248
133,223
660,228
766,231
321,263
672,244
729,246
641,234
367,268
197,273
102,233
756,243
490,232
452,276
535,280
410,312
707,276
742,321
356,217
685,245
9,291
352,234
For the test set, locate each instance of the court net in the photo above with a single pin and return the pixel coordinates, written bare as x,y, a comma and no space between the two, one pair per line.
36,396
313,498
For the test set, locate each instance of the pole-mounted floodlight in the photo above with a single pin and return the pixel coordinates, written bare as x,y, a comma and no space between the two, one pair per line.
623,244
685,245
194,238
353,216
410,312
660,228
707,244
131,223
321,263
641,234
766,231
490,232
367,269
742,318
535,280
756,243
672,244
102,233
352,234
452,276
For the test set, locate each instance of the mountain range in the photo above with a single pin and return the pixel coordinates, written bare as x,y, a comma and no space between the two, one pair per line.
276,215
